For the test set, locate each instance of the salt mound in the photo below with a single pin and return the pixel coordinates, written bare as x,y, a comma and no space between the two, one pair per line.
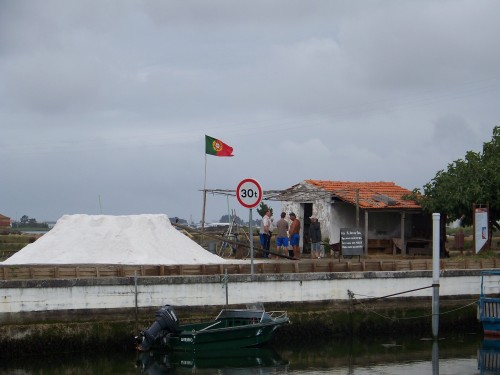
104,239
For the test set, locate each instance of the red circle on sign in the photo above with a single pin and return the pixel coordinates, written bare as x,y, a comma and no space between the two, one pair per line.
249,193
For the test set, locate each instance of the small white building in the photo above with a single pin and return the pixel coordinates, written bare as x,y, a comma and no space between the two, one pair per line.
388,220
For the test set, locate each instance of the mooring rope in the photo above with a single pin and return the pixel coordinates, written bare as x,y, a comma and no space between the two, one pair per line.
366,308
459,308
417,316
389,295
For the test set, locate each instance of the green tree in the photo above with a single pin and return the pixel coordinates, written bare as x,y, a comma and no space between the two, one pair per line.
178,220
27,222
262,209
472,180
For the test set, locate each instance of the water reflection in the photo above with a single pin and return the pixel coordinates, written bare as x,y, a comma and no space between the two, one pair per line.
488,357
435,358
238,361
465,354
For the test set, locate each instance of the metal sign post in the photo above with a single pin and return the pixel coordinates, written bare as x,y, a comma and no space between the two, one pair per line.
249,194
250,229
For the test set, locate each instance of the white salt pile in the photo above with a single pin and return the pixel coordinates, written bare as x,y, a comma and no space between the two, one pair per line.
104,239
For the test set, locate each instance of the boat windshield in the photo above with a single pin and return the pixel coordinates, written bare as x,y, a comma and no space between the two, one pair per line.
257,306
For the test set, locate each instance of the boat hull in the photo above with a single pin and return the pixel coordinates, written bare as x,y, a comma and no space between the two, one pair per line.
224,338
491,329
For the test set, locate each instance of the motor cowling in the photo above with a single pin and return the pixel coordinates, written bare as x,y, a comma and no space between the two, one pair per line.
166,323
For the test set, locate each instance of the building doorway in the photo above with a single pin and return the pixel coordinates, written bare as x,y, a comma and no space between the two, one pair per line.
308,210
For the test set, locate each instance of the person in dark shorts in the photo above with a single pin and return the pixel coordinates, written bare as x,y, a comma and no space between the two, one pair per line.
265,235
282,237
295,235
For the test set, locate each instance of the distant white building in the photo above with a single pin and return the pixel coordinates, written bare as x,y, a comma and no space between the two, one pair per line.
50,224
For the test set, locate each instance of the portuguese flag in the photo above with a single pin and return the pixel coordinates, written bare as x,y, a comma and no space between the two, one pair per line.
216,147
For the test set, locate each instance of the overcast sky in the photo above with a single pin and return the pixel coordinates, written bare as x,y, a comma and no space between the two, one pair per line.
104,105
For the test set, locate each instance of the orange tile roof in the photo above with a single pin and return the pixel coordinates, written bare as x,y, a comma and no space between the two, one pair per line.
4,221
372,195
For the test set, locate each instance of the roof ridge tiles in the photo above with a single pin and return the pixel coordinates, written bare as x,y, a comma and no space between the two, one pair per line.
345,191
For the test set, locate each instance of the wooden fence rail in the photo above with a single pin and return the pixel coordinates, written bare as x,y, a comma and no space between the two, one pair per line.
86,271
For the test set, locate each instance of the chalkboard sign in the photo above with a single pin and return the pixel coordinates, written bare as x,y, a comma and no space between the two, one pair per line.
351,241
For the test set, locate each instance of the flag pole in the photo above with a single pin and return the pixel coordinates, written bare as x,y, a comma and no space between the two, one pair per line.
204,202
217,148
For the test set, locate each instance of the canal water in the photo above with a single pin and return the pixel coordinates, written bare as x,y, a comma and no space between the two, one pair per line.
450,355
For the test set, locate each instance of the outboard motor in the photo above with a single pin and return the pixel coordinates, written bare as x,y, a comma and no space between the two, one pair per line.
166,322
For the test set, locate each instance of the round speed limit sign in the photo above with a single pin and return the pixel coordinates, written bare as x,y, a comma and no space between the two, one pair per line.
249,193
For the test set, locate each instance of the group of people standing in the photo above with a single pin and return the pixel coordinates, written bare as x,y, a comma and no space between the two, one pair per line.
288,236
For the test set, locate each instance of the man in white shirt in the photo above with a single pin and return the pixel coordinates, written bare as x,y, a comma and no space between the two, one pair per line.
265,236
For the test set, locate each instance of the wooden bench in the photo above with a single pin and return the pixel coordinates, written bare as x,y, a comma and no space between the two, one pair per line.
419,251
419,247
380,244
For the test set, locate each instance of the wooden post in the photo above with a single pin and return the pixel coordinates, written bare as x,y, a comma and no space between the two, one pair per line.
366,232
403,246
357,208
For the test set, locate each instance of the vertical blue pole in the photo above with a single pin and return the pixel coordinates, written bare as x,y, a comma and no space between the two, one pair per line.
436,244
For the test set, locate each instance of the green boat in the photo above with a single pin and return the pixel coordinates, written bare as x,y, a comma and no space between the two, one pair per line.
232,328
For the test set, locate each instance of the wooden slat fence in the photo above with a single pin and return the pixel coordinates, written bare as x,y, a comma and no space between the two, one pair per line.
86,271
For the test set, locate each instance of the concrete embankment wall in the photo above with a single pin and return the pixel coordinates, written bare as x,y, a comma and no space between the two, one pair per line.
129,292
86,311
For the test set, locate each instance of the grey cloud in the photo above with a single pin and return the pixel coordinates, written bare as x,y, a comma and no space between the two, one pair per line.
114,98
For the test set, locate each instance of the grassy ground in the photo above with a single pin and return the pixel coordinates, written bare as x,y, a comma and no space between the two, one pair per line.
11,243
